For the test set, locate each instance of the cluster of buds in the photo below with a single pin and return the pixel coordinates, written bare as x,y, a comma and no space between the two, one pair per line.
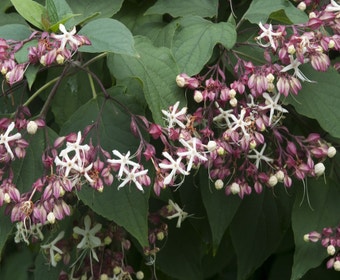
330,239
50,49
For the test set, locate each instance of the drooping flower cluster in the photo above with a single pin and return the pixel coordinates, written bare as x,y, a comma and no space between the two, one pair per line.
330,239
50,49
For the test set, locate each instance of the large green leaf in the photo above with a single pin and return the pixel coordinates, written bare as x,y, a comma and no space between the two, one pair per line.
320,100
324,199
127,207
108,35
6,17
260,10
5,229
88,8
178,8
15,31
156,68
31,11
195,39
220,208
258,227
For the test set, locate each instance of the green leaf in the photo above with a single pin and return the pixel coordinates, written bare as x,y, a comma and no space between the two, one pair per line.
195,39
21,56
5,229
220,209
324,198
30,74
258,227
7,17
127,207
320,100
108,35
15,31
178,8
89,8
156,68
52,12
260,10
31,11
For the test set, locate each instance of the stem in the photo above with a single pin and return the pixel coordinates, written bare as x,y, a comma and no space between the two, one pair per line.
94,93
99,56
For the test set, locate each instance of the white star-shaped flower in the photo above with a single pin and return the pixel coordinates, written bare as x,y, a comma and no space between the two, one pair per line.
5,138
333,7
66,37
272,105
53,249
173,117
259,156
179,213
174,166
267,33
294,64
77,148
191,154
223,117
131,176
123,161
90,240
240,123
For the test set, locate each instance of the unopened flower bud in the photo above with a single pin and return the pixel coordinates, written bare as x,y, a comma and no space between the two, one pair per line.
160,235
330,250
32,127
331,152
220,151
306,237
336,265
116,270
198,96
235,188
331,44
107,240
312,15
270,78
180,81
57,257
252,144
272,181
60,59
233,102
219,184
51,218
140,275
280,175
7,198
291,49
104,277
232,93
61,191
319,169
211,146
301,6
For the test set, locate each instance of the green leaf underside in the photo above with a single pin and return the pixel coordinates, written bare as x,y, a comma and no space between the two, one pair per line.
324,199
157,70
195,39
320,100
128,207
259,11
108,35
178,8
14,32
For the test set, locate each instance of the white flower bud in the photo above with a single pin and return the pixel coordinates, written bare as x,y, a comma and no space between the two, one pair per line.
331,44
235,188
140,275
233,102
312,15
252,144
272,181
116,270
306,237
232,93
180,81
220,151
280,175
301,6
291,49
270,78
211,146
330,250
7,198
60,59
104,277
32,127
331,152
336,265
51,218
319,169
219,184
198,96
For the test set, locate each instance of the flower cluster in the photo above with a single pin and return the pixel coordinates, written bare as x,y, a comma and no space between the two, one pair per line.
50,49
330,239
